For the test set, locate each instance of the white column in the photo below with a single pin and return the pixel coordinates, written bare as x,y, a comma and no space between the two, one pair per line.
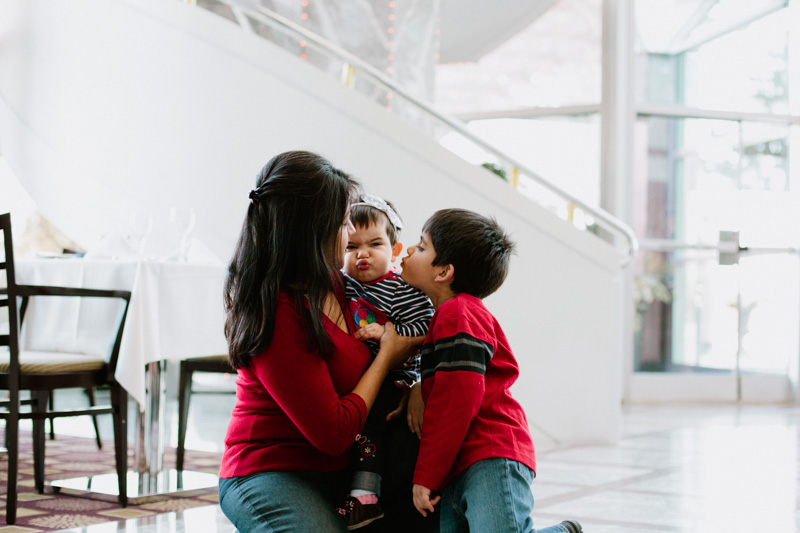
793,60
618,115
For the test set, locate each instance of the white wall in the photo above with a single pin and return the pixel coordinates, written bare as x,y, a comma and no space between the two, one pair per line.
670,388
112,105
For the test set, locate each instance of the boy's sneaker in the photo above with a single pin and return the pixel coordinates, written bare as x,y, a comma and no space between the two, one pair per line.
572,526
357,514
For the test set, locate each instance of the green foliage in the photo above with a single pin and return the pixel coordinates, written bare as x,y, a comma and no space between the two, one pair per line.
491,167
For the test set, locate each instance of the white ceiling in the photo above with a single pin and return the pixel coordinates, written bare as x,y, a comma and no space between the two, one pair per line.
472,28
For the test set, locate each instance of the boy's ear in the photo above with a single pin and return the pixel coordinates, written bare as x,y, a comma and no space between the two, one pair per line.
396,249
445,274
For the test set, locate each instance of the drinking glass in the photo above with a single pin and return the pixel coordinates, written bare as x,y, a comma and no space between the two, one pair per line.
182,219
140,225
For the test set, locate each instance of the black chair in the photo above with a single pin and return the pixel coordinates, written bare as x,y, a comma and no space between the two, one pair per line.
216,363
40,373
90,395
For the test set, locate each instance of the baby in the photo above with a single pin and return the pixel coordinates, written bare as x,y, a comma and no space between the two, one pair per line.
376,294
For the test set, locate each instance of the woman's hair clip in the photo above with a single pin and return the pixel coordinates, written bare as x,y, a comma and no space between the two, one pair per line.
254,195
381,205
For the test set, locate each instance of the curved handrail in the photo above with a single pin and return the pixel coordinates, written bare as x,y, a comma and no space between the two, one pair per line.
271,18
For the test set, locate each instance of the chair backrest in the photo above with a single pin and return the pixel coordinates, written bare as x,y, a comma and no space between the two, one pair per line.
8,302
14,292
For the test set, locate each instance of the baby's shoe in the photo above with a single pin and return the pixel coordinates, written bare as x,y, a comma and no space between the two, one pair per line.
357,514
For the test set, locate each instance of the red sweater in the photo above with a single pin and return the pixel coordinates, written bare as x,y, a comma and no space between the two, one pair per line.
467,369
294,410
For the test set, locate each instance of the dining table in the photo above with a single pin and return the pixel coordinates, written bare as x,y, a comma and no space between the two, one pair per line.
175,312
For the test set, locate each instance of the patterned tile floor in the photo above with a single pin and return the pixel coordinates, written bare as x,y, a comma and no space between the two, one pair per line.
698,469
69,457
201,438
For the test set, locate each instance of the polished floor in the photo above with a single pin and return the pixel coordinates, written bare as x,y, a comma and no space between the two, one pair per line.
709,468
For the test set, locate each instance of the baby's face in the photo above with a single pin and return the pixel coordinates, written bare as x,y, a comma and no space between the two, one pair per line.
369,254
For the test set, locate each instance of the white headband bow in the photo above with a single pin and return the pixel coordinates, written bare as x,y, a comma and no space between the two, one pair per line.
381,205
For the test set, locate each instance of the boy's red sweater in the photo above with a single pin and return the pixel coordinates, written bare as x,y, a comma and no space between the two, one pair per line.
467,369
294,409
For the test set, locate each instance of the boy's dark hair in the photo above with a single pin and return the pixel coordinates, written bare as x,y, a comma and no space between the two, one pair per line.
364,215
475,245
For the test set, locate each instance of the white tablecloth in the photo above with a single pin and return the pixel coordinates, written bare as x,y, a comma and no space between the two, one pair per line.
175,312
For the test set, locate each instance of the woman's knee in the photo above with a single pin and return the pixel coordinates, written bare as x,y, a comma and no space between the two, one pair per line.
278,502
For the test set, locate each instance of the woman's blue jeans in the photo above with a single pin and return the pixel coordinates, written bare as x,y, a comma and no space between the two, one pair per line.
491,496
277,502
307,501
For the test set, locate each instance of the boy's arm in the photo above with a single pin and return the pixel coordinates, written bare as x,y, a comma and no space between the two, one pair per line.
454,368
416,409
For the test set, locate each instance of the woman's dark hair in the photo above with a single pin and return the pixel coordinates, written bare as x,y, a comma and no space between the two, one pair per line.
288,241
475,245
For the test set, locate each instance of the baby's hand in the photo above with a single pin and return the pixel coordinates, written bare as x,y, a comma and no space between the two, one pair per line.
406,388
422,499
370,331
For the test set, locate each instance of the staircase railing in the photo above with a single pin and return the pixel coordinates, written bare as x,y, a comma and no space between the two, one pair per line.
245,11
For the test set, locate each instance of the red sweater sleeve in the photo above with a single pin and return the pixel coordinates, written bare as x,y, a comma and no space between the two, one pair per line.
470,415
453,385
445,422
299,381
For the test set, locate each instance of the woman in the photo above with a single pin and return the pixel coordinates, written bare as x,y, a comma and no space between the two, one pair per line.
305,384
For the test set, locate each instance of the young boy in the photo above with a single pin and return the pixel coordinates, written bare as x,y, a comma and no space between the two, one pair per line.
376,294
476,448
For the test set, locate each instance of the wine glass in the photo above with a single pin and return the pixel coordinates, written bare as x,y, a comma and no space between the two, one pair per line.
140,225
182,219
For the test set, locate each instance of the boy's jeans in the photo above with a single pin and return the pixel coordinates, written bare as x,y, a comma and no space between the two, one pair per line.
493,495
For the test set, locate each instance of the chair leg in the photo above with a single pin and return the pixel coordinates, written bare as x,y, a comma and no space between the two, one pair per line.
12,445
184,397
119,401
52,401
90,394
41,399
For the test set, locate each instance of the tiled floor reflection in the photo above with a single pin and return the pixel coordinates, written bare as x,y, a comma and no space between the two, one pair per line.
683,469
698,469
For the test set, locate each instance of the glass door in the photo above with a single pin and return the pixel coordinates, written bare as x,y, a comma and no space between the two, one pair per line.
717,280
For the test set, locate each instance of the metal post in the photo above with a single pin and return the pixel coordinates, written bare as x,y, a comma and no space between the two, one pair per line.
149,459
739,336
348,75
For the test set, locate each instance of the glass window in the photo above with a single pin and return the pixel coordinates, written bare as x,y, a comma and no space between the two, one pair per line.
733,56
687,179
693,179
693,314
564,150
556,61
770,312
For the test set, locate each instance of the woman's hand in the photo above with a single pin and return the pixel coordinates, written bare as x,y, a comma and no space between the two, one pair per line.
422,499
393,352
416,408
396,349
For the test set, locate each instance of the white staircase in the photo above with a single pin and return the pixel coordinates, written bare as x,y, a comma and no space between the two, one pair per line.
109,106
